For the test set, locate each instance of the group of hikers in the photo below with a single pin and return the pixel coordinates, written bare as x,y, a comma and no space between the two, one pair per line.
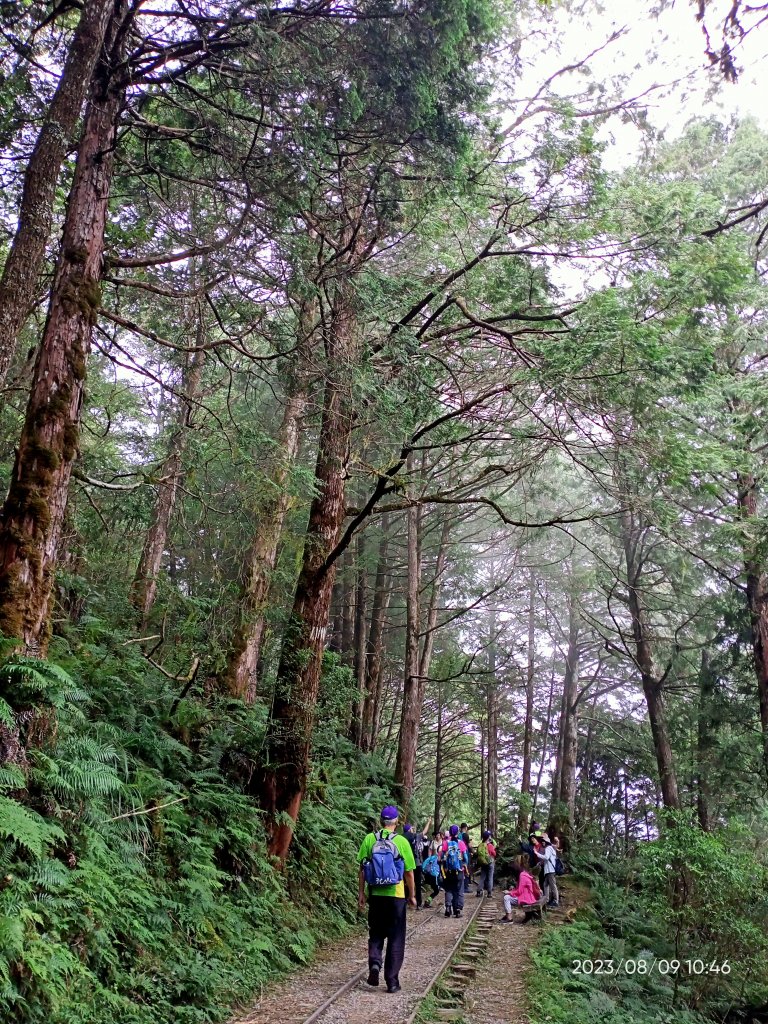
395,868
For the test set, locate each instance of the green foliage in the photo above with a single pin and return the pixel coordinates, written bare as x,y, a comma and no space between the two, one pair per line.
109,912
662,928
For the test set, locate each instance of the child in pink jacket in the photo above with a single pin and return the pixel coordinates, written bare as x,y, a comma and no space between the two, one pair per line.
525,893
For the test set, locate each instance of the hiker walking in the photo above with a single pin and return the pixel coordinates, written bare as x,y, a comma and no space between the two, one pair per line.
416,842
454,865
465,838
386,868
486,859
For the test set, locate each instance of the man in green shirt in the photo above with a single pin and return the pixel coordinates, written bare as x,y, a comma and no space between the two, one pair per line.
387,903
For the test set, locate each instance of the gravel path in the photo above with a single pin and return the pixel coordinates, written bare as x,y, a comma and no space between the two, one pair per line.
431,936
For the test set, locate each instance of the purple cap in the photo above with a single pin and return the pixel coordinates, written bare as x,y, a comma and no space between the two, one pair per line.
389,813
486,834
407,828
454,830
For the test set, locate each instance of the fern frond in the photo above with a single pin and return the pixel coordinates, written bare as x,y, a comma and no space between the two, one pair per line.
7,717
25,827
12,777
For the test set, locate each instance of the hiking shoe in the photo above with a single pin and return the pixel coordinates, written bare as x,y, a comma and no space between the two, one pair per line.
457,913
394,987
447,913
373,976
479,894
551,905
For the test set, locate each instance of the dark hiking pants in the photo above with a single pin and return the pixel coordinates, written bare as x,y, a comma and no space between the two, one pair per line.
418,877
386,923
454,891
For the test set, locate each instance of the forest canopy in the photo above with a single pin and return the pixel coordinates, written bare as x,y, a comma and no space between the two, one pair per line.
369,431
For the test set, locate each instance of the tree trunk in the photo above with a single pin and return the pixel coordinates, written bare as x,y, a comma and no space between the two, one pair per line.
757,602
144,588
430,627
652,687
291,722
347,592
705,741
439,760
32,516
21,272
493,722
356,723
521,822
570,722
483,778
374,653
525,782
241,673
410,717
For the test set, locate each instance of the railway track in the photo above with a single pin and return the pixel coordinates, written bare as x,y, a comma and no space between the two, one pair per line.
334,990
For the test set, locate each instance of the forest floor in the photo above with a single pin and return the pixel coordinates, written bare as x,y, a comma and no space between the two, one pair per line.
495,996
497,993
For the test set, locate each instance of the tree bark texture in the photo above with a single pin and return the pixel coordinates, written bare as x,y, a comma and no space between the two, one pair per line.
21,272
757,602
241,674
291,722
32,516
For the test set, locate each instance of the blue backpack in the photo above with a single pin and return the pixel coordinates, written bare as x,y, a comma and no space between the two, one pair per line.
385,866
453,859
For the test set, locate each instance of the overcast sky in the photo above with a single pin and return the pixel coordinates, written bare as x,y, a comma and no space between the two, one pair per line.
664,49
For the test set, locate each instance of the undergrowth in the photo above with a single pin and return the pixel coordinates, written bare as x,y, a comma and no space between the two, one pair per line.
678,935
134,880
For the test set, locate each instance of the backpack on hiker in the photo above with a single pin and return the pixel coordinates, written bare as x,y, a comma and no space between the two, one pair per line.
483,856
385,866
453,860
559,867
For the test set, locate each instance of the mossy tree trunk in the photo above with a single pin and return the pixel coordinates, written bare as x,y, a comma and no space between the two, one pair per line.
33,513
21,272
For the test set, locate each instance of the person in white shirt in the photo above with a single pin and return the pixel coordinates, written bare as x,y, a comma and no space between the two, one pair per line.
548,859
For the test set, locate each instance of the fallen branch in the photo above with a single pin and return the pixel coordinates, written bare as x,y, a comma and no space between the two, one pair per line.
149,810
